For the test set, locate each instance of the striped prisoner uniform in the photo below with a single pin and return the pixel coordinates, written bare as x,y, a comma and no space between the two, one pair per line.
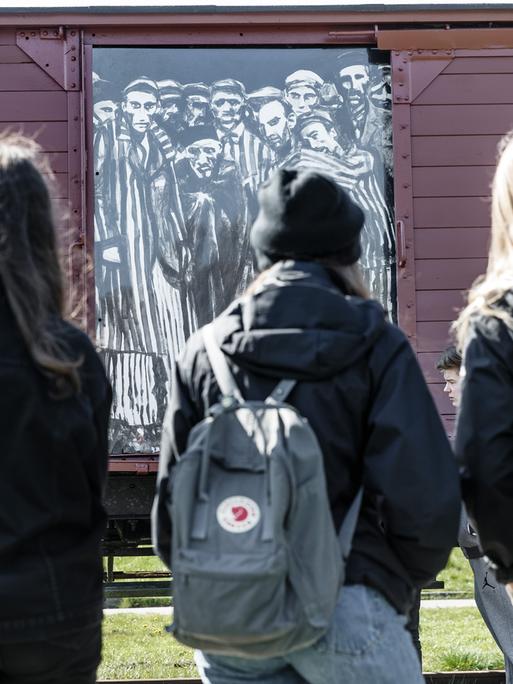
355,173
140,324
254,160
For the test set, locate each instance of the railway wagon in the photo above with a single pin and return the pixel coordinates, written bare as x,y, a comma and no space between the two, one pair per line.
161,122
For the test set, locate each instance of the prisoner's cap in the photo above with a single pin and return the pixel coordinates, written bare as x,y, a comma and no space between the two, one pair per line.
351,57
103,90
196,91
319,116
305,215
228,85
142,85
169,89
303,77
262,96
192,134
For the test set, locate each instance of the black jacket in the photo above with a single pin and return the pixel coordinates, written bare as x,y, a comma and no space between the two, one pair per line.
364,396
53,463
484,439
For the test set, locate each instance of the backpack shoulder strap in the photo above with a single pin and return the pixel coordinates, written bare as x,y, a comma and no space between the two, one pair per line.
346,532
281,392
219,365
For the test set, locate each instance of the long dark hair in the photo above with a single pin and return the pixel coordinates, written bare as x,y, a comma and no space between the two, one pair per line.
29,265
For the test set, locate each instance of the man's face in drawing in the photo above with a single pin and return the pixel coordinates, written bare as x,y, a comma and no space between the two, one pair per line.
354,81
226,108
140,108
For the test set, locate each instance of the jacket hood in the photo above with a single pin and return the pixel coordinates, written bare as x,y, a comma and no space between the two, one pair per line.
299,324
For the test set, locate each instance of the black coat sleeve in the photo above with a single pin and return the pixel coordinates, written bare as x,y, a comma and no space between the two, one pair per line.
409,466
180,418
484,441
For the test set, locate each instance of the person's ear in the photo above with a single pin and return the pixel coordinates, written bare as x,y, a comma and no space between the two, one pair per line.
292,119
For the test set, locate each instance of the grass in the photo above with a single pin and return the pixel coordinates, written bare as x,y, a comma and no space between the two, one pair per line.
457,639
137,647
136,563
457,575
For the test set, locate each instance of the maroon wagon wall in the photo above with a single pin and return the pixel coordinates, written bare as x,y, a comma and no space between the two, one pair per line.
41,96
451,108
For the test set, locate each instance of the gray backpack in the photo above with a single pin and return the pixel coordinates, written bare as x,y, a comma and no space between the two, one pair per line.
257,566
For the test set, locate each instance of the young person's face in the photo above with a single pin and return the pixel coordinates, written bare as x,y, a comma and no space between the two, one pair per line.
318,137
203,156
171,108
196,110
105,110
140,108
452,385
302,99
227,108
354,81
273,123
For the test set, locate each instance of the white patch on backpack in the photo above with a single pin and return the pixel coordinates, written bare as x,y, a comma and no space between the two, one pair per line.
238,514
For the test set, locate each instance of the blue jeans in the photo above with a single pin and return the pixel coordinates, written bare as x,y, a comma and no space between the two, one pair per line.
367,643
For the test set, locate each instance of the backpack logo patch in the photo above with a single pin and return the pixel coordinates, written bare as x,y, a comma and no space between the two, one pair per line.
238,514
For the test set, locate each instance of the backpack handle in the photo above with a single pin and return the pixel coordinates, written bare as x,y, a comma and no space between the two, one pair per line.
219,364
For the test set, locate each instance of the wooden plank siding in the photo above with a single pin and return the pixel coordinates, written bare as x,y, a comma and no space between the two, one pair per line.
8,36
451,243
35,105
456,124
468,89
11,54
462,181
25,77
438,305
459,119
460,150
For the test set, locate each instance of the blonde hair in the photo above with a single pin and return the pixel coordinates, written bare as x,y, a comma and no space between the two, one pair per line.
491,287
348,277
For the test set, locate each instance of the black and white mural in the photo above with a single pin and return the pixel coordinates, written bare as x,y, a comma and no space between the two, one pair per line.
183,137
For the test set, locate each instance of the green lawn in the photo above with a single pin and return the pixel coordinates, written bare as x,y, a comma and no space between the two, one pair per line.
457,575
457,639
138,646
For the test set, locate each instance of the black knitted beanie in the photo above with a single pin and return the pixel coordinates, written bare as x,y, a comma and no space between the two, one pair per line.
305,215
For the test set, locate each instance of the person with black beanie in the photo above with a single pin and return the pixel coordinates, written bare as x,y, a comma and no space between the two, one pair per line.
308,317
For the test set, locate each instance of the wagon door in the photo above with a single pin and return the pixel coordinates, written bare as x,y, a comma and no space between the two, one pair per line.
450,109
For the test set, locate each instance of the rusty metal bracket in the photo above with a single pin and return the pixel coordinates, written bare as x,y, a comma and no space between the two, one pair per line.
56,51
